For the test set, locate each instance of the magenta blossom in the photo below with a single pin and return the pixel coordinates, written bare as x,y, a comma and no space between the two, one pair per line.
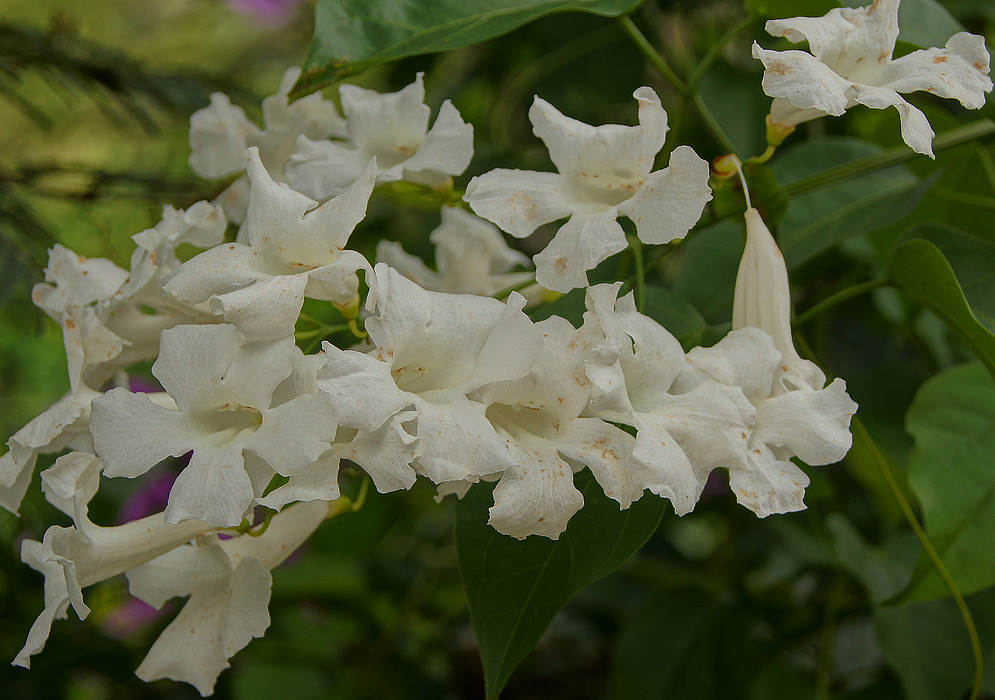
272,13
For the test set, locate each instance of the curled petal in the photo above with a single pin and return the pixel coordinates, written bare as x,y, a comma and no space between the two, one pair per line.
804,80
769,485
959,71
915,128
447,147
580,245
671,200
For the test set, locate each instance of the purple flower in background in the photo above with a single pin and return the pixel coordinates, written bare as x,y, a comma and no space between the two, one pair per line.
273,13
151,497
130,617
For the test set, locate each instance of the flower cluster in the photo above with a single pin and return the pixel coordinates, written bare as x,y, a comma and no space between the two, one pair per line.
450,380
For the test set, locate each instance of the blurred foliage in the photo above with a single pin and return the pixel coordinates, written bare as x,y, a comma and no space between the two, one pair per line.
95,100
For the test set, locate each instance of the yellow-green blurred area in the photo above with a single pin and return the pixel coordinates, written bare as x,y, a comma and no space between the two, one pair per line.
95,99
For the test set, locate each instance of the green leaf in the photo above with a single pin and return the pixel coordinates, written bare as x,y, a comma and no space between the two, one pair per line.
707,275
515,588
819,220
925,643
918,268
353,35
676,314
973,262
781,9
951,471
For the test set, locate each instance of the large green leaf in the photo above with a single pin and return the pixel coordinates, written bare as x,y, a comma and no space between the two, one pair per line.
351,36
707,275
925,643
818,220
918,268
951,470
515,588
676,314
973,262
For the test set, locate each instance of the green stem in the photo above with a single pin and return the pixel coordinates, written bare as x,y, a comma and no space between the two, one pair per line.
860,431
504,293
894,156
661,66
837,298
927,546
656,60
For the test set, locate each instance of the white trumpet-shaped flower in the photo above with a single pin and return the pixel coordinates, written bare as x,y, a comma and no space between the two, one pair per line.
681,436
228,583
604,173
223,387
471,257
431,351
851,63
72,558
293,248
391,127
795,415
220,133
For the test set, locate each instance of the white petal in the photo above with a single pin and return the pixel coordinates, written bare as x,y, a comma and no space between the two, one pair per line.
313,116
267,309
290,227
447,147
71,481
958,71
132,434
411,266
319,483
520,201
813,424
193,359
745,358
915,127
671,200
294,434
580,245
769,485
609,152
214,488
607,452
320,169
56,600
537,495
457,441
217,138
386,454
804,80
381,123
360,388
845,37
210,628
216,271
664,468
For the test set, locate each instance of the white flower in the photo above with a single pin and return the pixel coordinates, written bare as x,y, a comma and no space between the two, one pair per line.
431,351
391,127
223,387
795,415
220,133
681,435
229,583
76,557
604,173
293,249
471,257
851,63
540,418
